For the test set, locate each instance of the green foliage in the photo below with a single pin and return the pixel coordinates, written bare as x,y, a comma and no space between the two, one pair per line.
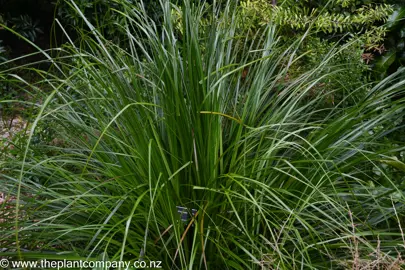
355,25
277,181
208,121
23,25
348,69
395,44
104,15
99,12
329,17
2,52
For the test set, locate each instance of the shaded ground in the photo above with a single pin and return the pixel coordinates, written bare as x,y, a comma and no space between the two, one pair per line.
9,128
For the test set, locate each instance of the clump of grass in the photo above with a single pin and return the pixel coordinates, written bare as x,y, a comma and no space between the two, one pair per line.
177,121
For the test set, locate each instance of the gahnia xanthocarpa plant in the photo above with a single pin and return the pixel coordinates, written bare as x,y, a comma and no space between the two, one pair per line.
189,145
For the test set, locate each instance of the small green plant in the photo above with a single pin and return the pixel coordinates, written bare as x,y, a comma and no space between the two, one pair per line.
26,26
22,24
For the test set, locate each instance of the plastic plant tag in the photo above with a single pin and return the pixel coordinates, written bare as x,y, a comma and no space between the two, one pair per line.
184,213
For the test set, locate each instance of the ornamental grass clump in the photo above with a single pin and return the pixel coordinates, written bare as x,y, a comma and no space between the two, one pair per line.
204,121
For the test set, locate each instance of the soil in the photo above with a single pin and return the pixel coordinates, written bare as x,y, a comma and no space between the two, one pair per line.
8,129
